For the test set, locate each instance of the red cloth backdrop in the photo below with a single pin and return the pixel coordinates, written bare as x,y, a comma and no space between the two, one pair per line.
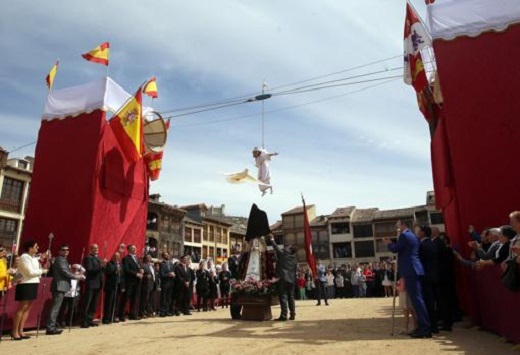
475,148
83,190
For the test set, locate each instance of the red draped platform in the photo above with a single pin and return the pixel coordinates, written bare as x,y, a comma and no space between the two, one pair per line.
475,147
83,189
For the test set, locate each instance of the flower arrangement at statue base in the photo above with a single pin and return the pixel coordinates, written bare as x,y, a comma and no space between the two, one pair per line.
251,291
252,287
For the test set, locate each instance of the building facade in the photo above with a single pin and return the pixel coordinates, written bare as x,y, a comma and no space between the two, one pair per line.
165,227
215,231
15,180
353,235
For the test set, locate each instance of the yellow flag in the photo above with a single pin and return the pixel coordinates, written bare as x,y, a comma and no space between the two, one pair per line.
99,54
50,77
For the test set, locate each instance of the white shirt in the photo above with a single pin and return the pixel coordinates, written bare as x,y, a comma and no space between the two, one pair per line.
29,267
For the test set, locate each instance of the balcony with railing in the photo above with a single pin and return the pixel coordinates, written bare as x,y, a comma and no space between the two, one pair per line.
10,206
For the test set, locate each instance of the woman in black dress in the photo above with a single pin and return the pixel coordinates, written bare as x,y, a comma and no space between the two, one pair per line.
224,278
202,286
213,291
27,290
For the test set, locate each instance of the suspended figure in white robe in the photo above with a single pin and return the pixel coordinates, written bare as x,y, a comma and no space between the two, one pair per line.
262,159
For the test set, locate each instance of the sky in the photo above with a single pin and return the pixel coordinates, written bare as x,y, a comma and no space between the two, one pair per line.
363,144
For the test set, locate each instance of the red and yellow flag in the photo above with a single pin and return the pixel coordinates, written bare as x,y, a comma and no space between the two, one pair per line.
50,77
127,125
150,88
154,161
416,37
99,54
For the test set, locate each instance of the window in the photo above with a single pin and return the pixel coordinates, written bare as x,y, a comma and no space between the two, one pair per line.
152,222
7,225
197,236
288,222
298,221
188,235
381,247
384,229
340,228
11,197
23,164
211,234
421,218
7,231
342,250
364,249
437,218
363,231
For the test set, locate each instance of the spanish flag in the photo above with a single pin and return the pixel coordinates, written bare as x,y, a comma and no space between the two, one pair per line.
50,77
153,161
127,125
98,54
150,88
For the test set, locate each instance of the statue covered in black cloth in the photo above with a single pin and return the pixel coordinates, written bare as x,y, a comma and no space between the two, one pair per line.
255,262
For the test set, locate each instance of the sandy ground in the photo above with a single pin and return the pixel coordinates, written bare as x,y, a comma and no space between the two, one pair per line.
351,326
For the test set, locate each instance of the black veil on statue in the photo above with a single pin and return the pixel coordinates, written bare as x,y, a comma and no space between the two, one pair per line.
257,224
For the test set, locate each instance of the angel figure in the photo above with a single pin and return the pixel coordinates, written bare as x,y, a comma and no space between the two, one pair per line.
262,159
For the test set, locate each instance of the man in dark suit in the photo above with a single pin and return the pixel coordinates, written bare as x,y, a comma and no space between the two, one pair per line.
410,267
61,276
167,279
182,287
147,286
286,265
94,272
234,262
133,277
114,284
430,256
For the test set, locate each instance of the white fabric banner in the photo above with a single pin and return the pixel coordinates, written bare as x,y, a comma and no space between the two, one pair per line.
448,19
103,93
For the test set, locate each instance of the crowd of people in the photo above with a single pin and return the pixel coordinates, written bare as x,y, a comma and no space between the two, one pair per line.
128,287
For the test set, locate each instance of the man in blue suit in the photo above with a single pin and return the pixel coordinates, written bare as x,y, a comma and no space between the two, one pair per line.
410,267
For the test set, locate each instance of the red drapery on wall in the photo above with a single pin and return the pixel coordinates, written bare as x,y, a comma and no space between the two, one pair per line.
83,190
475,149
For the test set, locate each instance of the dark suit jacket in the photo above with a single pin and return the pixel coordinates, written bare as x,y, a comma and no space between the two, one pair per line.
182,275
407,249
165,269
114,277
286,263
131,268
202,280
94,272
430,255
148,280
61,275
233,266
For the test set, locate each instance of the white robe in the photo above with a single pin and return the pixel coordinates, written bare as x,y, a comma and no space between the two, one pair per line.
264,175
254,269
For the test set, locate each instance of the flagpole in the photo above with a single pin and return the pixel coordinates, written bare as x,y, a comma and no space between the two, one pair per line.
108,66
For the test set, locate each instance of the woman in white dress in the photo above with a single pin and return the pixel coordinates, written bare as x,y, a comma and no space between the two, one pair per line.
27,290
